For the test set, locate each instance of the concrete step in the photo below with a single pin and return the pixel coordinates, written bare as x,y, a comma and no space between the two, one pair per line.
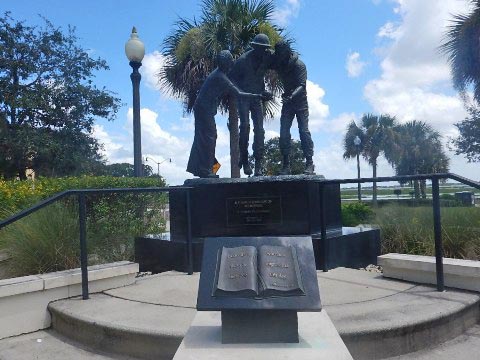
120,326
463,347
376,317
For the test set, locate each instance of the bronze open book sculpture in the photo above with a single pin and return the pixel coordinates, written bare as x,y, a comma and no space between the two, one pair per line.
266,271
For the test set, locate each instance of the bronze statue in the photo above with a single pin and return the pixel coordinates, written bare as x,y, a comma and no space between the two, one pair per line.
293,75
216,85
248,74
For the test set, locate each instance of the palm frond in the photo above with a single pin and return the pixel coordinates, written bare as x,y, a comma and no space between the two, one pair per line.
349,147
462,48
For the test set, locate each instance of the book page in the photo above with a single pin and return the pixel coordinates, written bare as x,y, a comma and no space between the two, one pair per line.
279,271
237,272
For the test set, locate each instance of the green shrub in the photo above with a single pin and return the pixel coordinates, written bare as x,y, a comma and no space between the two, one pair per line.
18,195
409,230
447,197
355,213
45,241
48,240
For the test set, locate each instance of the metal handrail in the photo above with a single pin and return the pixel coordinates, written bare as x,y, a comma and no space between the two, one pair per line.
437,225
81,193
82,218
63,194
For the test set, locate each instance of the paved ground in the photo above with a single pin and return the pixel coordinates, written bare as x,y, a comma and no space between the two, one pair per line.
356,301
55,347
47,345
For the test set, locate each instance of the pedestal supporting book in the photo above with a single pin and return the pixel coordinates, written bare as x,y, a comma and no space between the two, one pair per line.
259,284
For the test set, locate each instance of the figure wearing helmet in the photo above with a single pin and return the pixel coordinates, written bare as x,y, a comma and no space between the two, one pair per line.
248,74
216,86
293,75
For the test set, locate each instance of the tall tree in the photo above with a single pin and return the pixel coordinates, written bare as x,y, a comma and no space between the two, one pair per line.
274,159
378,137
462,47
192,46
124,170
419,151
468,141
48,102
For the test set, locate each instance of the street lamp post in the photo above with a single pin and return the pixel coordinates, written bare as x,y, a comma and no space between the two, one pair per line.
358,142
135,51
158,163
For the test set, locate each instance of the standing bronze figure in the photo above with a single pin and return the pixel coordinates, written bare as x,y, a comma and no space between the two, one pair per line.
248,74
216,86
293,75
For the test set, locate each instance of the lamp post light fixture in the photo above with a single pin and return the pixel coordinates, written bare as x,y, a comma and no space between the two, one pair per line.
135,51
358,143
158,163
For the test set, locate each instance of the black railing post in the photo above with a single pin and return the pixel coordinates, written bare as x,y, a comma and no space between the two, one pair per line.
189,235
82,211
437,230
323,229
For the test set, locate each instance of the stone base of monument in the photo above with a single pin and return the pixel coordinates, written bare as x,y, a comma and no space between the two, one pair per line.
259,326
318,339
350,247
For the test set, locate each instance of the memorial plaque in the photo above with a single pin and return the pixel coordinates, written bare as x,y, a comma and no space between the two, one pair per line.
254,211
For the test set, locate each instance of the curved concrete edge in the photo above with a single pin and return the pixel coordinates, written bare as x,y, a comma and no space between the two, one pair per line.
110,337
405,321
383,344
24,300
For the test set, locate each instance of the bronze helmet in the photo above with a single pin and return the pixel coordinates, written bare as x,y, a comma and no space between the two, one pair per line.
260,40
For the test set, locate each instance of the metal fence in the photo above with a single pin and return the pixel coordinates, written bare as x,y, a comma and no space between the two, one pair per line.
82,218
81,194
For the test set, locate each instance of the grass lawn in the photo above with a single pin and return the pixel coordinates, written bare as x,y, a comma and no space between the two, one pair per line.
351,192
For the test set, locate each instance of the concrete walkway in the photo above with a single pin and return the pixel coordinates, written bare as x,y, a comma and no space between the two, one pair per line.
376,317
48,345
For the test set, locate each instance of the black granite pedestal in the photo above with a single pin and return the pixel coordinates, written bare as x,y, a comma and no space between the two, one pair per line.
259,206
259,326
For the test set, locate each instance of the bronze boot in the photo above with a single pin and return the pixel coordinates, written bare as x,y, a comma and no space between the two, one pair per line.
285,166
309,167
258,168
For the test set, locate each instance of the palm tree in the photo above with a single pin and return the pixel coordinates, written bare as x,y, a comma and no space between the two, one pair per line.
378,136
192,46
419,151
462,47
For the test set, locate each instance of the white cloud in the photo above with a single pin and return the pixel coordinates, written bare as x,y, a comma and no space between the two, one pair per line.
157,143
354,65
151,65
109,146
284,13
339,123
330,163
185,124
270,134
319,111
415,78
152,133
389,31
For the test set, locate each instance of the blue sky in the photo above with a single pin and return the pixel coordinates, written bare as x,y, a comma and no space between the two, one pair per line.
362,56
